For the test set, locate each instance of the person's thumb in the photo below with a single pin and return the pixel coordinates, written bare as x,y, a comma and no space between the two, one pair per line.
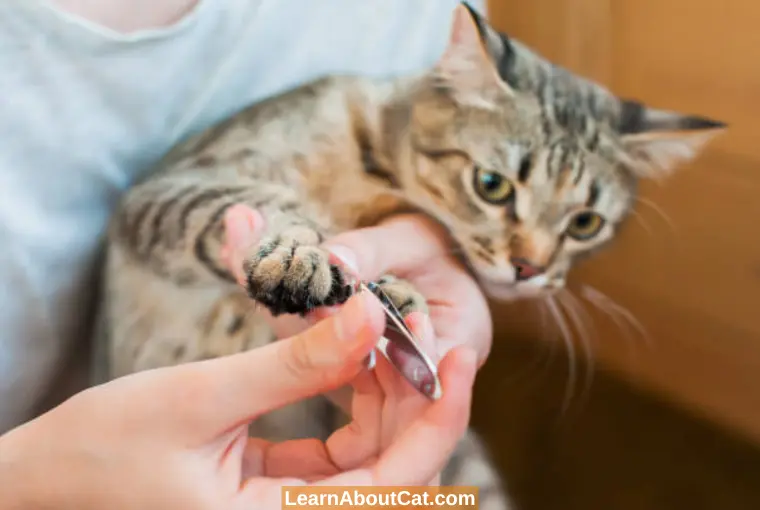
243,229
241,387
374,251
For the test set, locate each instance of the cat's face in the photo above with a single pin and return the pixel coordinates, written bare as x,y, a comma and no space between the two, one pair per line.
523,206
522,196
524,213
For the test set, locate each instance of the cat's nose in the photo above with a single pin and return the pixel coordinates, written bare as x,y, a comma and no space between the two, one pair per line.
524,270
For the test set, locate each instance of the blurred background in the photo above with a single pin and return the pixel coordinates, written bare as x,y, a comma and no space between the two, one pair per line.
668,414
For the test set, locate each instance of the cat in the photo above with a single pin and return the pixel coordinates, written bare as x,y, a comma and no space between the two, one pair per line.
527,166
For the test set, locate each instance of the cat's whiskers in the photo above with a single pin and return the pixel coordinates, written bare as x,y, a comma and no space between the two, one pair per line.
641,221
583,319
535,369
567,338
621,323
545,361
660,212
574,310
581,308
545,326
544,316
621,316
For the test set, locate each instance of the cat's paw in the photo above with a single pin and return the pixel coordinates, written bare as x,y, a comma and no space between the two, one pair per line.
291,274
404,296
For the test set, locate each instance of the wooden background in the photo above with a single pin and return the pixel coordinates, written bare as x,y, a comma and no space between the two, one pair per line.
693,280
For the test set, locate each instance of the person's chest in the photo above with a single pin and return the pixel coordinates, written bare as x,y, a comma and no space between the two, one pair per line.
85,114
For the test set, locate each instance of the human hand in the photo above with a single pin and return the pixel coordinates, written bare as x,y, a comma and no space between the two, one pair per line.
177,437
408,246
414,248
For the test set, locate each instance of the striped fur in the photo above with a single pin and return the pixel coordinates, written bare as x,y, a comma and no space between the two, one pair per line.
345,152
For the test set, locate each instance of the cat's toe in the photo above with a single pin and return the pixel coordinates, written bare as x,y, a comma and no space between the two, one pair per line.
404,296
289,278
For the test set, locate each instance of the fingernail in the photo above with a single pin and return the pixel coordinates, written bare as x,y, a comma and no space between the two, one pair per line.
370,361
428,331
422,326
321,314
346,255
427,337
351,318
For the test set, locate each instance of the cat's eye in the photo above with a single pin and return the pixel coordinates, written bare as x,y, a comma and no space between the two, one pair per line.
585,225
493,187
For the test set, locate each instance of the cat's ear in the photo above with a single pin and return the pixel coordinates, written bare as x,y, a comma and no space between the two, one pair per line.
466,65
658,141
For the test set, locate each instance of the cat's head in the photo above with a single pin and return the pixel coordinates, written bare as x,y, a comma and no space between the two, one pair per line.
525,184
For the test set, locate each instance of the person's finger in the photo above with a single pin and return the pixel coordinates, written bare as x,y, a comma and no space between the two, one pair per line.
307,459
419,454
419,251
408,404
342,397
399,245
354,444
243,228
219,394
458,309
232,447
264,493
435,434
417,457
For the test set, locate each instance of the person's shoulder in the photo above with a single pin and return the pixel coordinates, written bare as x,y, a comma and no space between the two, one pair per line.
287,43
369,36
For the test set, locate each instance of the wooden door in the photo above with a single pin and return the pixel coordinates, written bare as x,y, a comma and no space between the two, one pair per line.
688,267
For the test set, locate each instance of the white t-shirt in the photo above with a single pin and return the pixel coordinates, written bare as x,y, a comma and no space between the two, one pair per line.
84,111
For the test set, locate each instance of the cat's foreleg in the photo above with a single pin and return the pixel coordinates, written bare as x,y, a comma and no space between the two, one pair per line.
175,225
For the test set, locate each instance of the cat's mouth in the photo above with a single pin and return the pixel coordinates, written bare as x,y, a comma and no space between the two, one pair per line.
501,283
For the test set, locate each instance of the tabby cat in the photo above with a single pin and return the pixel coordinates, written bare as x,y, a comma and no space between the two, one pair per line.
527,166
